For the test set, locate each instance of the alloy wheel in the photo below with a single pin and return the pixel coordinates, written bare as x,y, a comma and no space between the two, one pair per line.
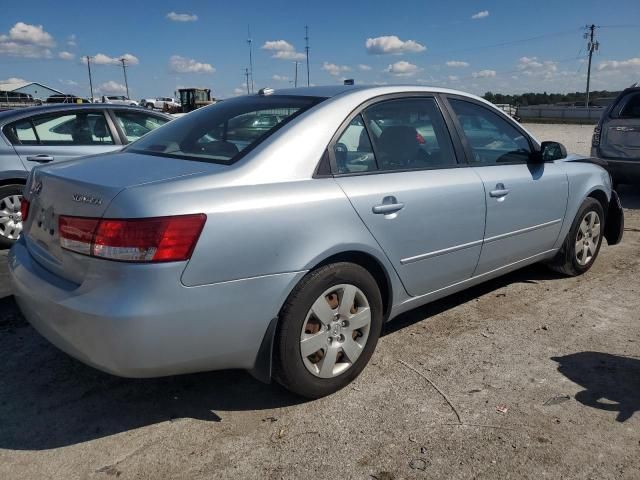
10,217
587,238
335,331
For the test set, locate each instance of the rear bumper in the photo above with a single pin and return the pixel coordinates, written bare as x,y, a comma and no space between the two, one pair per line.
140,321
624,171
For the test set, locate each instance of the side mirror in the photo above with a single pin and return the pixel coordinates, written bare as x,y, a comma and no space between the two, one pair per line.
550,151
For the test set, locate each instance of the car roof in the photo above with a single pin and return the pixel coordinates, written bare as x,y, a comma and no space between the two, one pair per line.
57,107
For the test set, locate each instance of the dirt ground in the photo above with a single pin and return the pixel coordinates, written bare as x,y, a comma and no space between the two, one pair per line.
560,357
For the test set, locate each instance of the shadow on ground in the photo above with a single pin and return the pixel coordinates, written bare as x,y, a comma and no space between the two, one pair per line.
610,382
50,400
629,196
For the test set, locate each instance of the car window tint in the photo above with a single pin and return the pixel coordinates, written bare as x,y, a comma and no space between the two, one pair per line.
136,124
82,128
352,151
493,140
409,133
631,108
21,133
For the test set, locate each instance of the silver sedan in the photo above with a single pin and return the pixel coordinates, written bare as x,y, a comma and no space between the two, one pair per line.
223,240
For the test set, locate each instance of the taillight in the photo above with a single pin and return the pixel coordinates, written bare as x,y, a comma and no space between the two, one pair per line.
595,139
161,239
420,139
24,209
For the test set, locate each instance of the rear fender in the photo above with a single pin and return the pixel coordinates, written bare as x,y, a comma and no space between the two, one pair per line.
614,224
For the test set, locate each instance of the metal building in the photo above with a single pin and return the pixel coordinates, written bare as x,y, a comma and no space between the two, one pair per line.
35,89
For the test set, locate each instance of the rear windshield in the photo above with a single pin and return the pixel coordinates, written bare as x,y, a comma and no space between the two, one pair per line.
223,132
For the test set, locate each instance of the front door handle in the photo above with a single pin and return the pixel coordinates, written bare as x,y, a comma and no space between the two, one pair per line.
499,191
40,158
389,205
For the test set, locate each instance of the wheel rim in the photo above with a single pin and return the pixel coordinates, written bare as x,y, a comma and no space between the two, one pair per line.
587,238
335,331
10,217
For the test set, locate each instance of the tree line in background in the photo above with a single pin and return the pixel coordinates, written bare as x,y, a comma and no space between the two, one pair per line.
575,98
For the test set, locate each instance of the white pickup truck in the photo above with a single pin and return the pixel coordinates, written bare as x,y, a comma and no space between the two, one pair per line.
159,102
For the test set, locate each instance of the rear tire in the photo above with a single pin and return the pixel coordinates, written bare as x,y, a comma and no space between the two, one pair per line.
10,216
339,308
581,247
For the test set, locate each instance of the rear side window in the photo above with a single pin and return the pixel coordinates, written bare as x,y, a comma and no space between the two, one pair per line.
630,106
409,133
82,128
222,132
136,124
492,139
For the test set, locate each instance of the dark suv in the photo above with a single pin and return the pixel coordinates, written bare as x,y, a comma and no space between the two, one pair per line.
616,138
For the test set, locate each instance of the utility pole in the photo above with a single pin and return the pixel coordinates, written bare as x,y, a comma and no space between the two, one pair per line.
295,78
90,80
246,76
592,45
124,70
250,42
306,39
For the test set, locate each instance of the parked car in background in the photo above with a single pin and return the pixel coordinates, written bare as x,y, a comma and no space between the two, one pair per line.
46,134
63,98
119,100
616,138
283,251
159,103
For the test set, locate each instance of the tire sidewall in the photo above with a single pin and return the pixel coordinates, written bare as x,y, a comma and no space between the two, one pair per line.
289,366
590,204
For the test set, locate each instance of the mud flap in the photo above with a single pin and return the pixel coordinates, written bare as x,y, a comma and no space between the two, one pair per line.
614,224
262,369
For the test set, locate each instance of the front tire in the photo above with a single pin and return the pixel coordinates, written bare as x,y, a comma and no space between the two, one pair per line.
583,241
10,215
328,330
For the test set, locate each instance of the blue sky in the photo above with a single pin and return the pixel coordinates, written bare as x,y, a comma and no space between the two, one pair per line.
508,46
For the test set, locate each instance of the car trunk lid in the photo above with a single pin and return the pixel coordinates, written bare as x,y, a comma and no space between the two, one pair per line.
85,188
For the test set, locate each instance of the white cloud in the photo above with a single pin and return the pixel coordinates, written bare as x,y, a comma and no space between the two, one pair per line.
66,55
25,40
335,70
619,64
180,64
456,64
282,50
112,87
391,44
280,78
70,83
402,69
71,40
364,68
453,78
240,91
484,74
13,80
182,17
102,59
479,15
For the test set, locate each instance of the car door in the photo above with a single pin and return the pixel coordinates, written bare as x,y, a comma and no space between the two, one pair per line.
396,163
61,135
526,201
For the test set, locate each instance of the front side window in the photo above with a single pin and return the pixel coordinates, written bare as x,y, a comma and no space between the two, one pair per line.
82,128
409,133
492,139
136,124
222,132
352,151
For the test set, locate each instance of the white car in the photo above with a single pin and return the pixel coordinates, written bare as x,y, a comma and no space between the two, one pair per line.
119,100
159,102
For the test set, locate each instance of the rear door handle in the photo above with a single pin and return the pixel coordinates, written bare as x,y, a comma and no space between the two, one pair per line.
499,191
389,205
40,158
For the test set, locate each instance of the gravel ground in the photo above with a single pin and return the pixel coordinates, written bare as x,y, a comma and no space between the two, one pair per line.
560,357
